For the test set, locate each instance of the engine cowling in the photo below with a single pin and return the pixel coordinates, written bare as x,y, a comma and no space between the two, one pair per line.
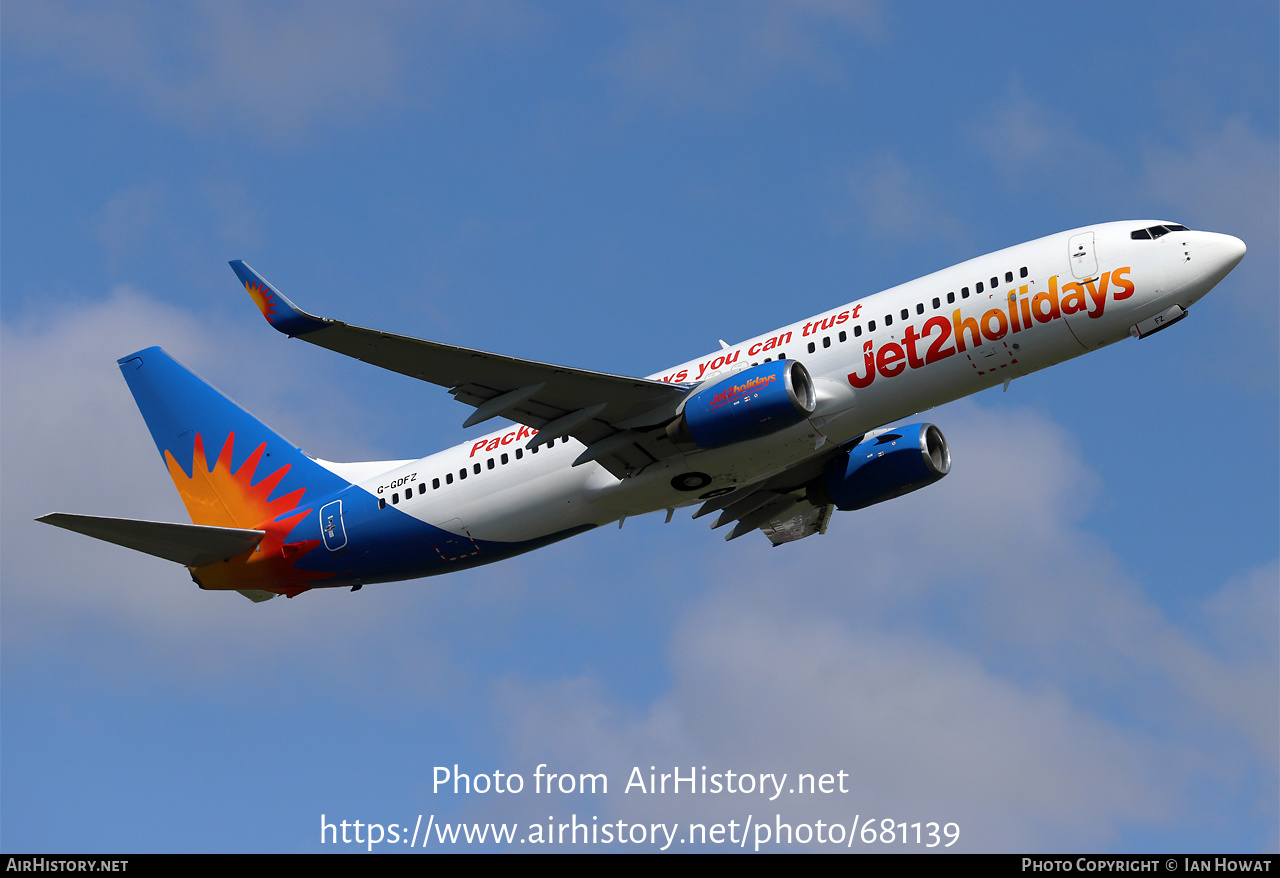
746,405
889,465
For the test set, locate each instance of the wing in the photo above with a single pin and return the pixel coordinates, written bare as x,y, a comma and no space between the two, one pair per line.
780,506
618,418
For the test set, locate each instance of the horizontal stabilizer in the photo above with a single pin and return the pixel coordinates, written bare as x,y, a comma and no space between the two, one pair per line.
193,545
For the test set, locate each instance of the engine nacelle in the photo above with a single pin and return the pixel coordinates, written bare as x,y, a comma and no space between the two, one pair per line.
746,405
889,465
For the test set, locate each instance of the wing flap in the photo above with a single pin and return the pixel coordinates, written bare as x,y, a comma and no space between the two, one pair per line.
804,520
779,507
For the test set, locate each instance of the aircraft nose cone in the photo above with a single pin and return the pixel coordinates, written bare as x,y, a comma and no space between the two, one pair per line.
1221,254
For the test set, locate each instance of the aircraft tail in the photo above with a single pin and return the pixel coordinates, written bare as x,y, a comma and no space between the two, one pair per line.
232,470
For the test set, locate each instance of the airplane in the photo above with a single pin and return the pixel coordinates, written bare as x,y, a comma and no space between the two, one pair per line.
773,434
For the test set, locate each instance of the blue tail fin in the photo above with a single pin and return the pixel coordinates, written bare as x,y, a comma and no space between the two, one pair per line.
231,469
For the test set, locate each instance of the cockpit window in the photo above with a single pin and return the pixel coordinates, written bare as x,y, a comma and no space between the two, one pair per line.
1156,232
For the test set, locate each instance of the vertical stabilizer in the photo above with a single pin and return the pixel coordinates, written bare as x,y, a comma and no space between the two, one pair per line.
231,469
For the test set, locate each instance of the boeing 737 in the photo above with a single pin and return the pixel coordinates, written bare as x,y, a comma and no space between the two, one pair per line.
772,434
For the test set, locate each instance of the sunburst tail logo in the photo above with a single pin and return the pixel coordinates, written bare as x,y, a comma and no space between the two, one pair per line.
223,497
258,479
219,496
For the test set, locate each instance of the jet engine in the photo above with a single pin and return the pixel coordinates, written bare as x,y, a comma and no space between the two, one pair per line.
746,405
884,466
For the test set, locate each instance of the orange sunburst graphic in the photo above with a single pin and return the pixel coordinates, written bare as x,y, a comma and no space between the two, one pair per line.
263,297
217,496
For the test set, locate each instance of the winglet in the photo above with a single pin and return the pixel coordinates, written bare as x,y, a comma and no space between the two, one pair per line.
279,311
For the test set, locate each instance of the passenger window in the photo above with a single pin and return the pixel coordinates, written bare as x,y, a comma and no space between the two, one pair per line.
519,454
811,347
964,291
382,504
826,341
995,282
1023,273
951,298
906,314
477,469
490,463
535,449
843,336
505,458
937,303
871,326
395,499
919,307
782,356
422,489
462,473
1008,277
888,320
435,484
448,478
977,288
857,330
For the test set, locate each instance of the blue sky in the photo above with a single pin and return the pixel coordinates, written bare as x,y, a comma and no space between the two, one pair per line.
1081,656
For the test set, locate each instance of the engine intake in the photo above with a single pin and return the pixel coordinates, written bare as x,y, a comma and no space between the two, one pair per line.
746,405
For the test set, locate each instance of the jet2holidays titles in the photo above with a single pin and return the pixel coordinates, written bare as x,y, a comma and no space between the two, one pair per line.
891,358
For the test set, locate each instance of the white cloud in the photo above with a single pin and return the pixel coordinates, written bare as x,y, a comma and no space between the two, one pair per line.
924,733
73,441
970,653
272,72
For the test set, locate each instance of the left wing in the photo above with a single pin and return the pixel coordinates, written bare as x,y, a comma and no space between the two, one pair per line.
618,418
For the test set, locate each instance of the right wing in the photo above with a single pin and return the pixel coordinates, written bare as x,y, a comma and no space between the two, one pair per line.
780,507
618,418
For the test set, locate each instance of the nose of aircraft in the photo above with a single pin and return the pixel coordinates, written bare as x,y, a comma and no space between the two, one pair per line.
1221,253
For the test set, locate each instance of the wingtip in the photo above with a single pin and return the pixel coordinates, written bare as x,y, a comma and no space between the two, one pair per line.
278,310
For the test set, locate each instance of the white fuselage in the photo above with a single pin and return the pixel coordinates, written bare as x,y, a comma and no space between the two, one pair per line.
1053,299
